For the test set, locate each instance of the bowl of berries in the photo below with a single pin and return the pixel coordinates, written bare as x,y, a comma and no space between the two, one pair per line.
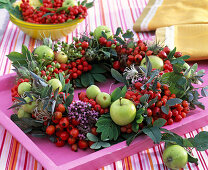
48,19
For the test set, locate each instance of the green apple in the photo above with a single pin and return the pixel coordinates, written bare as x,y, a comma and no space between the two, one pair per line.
103,99
157,62
30,106
21,113
44,54
92,91
23,87
98,31
175,157
122,111
68,3
55,83
61,57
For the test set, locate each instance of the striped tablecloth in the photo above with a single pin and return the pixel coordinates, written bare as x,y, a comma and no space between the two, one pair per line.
113,13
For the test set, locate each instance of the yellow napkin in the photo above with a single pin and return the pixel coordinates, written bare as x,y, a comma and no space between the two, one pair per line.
190,39
163,13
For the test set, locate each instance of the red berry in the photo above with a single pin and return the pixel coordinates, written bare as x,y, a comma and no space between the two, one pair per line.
74,147
50,130
61,108
58,115
74,75
59,142
177,54
149,112
85,69
64,135
78,61
116,65
89,67
71,140
138,58
166,50
85,44
74,132
85,63
131,58
183,114
170,121
138,85
162,54
63,67
102,41
58,128
80,67
82,144
73,64
178,118
149,52
93,131
185,103
82,95
75,122
64,122
97,107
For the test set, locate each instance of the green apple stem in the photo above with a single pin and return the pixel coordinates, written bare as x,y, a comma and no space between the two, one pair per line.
120,101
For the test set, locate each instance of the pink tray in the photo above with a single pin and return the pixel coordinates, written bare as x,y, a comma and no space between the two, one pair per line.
54,158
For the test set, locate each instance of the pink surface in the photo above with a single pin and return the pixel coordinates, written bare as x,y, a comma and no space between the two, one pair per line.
52,157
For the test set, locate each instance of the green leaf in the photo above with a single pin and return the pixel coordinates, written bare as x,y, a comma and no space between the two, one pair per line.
87,79
99,77
84,2
165,109
120,40
191,159
115,94
97,68
149,66
106,126
144,98
135,126
174,101
185,57
152,101
92,137
104,35
118,31
26,53
89,5
63,8
172,138
154,133
139,118
201,141
159,122
69,99
62,80
18,59
132,137
108,54
171,54
116,75
204,92
96,145
128,34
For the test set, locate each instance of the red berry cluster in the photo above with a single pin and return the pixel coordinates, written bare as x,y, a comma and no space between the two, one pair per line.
14,90
126,129
176,113
37,15
65,130
76,68
95,106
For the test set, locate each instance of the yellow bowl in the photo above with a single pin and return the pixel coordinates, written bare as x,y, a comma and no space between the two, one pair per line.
39,31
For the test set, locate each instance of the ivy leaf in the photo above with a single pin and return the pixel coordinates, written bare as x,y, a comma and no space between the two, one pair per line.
174,101
108,129
99,77
165,109
159,123
154,133
116,75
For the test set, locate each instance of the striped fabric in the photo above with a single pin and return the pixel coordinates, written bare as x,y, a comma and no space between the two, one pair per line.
113,13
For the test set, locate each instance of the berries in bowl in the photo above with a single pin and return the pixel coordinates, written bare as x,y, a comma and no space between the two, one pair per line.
54,19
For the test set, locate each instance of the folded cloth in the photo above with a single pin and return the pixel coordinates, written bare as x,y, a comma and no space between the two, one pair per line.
190,39
163,13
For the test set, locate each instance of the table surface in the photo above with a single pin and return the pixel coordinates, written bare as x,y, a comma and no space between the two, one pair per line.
113,13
